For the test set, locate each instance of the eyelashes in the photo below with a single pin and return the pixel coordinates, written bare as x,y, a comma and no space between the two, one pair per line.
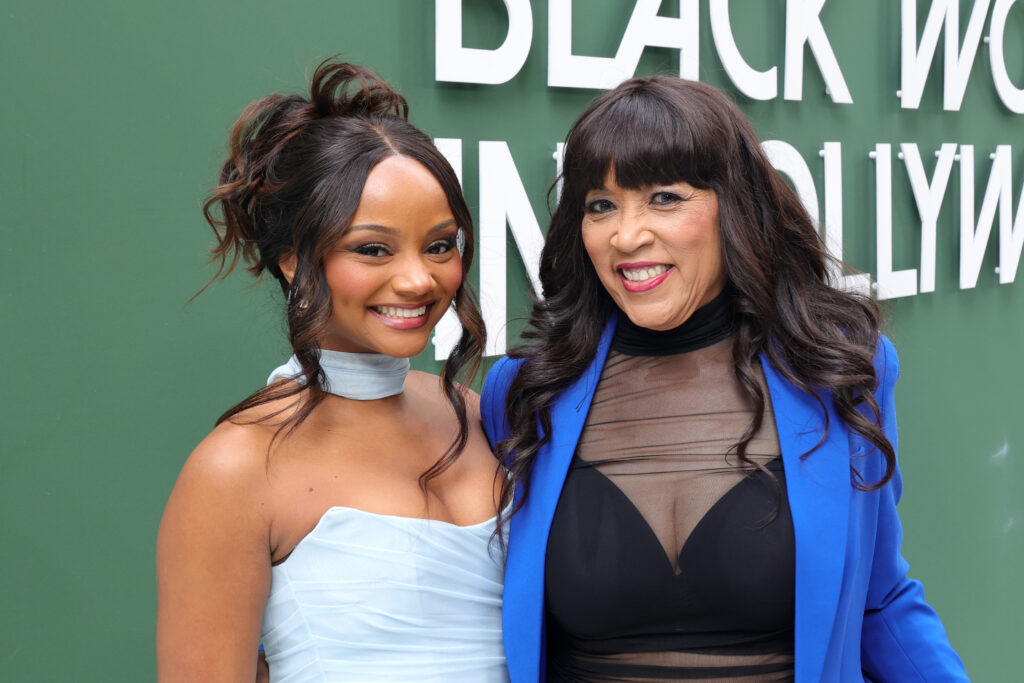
658,198
598,206
372,249
665,198
380,250
443,246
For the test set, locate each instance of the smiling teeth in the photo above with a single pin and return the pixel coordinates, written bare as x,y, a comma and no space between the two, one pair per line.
640,274
392,312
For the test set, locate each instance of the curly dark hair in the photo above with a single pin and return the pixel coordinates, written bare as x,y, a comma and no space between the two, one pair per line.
290,187
664,130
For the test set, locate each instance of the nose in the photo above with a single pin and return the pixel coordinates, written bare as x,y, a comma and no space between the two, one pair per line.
412,277
632,232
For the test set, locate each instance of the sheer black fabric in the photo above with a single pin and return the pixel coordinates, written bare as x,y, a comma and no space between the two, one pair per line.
709,324
668,558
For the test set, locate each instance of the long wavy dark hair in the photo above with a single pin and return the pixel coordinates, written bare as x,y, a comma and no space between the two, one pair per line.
291,186
663,130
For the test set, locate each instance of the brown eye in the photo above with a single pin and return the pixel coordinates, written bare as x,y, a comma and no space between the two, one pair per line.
375,250
442,246
665,198
599,206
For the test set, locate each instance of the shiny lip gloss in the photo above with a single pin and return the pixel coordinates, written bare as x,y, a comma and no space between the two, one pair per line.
403,323
642,285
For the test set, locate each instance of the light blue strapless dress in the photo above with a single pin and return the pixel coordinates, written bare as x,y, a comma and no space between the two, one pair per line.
368,597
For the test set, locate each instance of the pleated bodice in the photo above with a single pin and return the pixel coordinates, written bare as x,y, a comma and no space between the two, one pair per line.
369,597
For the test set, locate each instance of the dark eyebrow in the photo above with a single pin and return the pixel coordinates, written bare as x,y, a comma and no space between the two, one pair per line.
394,231
443,225
374,228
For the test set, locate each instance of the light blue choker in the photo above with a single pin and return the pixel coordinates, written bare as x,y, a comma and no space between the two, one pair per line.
362,376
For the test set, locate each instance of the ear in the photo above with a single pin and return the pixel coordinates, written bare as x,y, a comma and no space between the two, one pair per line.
287,264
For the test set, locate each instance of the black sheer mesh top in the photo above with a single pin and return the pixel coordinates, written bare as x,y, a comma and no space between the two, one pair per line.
668,558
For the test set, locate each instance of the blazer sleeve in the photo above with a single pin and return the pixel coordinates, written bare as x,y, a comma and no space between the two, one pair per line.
492,399
903,638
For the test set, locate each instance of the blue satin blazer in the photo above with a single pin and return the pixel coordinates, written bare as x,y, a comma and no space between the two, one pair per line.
858,616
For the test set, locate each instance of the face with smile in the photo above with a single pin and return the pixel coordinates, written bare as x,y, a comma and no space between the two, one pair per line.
656,249
394,272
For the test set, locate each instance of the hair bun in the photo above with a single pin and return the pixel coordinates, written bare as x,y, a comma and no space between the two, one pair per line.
344,89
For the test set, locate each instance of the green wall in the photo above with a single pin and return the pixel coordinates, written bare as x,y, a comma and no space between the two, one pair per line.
114,118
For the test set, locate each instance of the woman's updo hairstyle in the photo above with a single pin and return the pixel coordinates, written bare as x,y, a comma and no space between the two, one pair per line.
290,188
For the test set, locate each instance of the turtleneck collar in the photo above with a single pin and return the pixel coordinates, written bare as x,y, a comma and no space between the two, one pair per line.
708,325
362,376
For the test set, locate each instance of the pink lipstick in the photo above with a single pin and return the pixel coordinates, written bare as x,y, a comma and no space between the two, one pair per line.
642,281
402,316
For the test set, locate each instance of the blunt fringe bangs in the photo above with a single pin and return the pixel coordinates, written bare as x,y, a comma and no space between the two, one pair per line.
651,132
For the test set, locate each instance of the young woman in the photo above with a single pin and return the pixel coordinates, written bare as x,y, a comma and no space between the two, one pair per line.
701,426
343,515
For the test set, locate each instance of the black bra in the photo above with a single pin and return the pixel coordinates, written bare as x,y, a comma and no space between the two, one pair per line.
610,588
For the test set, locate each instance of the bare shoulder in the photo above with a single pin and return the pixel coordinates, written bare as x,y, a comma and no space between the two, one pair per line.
249,433
424,381
213,557
229,466
232,454
472,402
431,386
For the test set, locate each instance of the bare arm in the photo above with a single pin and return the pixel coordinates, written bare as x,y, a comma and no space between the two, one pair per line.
213,563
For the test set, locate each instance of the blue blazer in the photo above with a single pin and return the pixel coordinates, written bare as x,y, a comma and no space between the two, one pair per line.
858,616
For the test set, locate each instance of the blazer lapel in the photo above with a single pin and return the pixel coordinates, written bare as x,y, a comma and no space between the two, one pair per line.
523,611
819,497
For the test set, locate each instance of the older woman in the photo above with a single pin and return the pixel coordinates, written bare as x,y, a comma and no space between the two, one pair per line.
701,426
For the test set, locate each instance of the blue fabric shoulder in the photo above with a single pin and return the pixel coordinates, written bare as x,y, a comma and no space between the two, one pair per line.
492,398
887,369
887,363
